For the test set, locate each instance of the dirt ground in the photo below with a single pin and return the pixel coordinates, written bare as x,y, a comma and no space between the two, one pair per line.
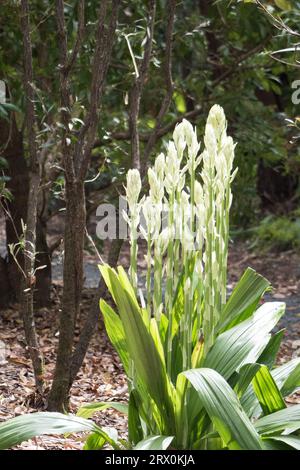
101,377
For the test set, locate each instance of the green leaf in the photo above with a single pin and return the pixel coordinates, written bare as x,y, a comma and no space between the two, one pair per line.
289,418
292,381
147,361
19,429
135,431
267,392
11,107
96,441
89,409
245,342
224,409
155,443
269,354
284,5
244,299
280,374
291,440
116,334
179,102
244,378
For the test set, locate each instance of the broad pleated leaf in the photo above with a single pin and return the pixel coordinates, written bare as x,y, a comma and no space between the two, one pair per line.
288,377
267,392
289,418
245,342
291,440
87,410
148,364
269,354
19,429
244,378
281,375
96,441
155,443
244,299
224,409
116,334
135,431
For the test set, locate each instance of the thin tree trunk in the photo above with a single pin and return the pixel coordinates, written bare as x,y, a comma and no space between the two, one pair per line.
28,281
93,315
73,280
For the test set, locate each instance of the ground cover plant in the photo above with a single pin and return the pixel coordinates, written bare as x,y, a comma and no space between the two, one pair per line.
200,367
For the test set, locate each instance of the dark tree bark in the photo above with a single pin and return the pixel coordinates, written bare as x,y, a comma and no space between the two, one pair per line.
28,279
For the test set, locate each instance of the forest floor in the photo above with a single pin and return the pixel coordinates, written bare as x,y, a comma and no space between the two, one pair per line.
101,377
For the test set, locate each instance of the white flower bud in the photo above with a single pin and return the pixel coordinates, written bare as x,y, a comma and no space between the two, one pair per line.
133,187
156,187
228,150
179,139
210,142
216,118
221,166
152,215
159,166
187,239
234,174
199,268
172,168
189,132
187,286
185,199
198,193
163,240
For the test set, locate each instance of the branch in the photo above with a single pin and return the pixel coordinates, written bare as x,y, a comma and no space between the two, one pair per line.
65,92
136,91
79,37
278,23
144,137
171,6
101,60
28,85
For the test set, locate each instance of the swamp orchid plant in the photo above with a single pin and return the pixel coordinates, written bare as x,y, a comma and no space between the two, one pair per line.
200,368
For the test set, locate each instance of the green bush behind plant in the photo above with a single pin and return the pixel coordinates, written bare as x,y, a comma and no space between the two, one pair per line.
200,368
278,233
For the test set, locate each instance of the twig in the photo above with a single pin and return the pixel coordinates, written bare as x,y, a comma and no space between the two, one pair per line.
167,70
137,89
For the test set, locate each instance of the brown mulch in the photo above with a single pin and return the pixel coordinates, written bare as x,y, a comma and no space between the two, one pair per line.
101,377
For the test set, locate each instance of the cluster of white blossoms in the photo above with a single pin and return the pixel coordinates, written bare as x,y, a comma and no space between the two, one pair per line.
185,216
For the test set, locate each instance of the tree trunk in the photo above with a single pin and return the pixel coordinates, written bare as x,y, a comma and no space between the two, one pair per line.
18,185
93,315
73,279
43,258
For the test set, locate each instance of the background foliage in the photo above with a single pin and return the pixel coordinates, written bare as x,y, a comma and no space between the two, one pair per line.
221,54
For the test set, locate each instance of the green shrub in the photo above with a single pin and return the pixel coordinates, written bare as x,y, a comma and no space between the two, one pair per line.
278,233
